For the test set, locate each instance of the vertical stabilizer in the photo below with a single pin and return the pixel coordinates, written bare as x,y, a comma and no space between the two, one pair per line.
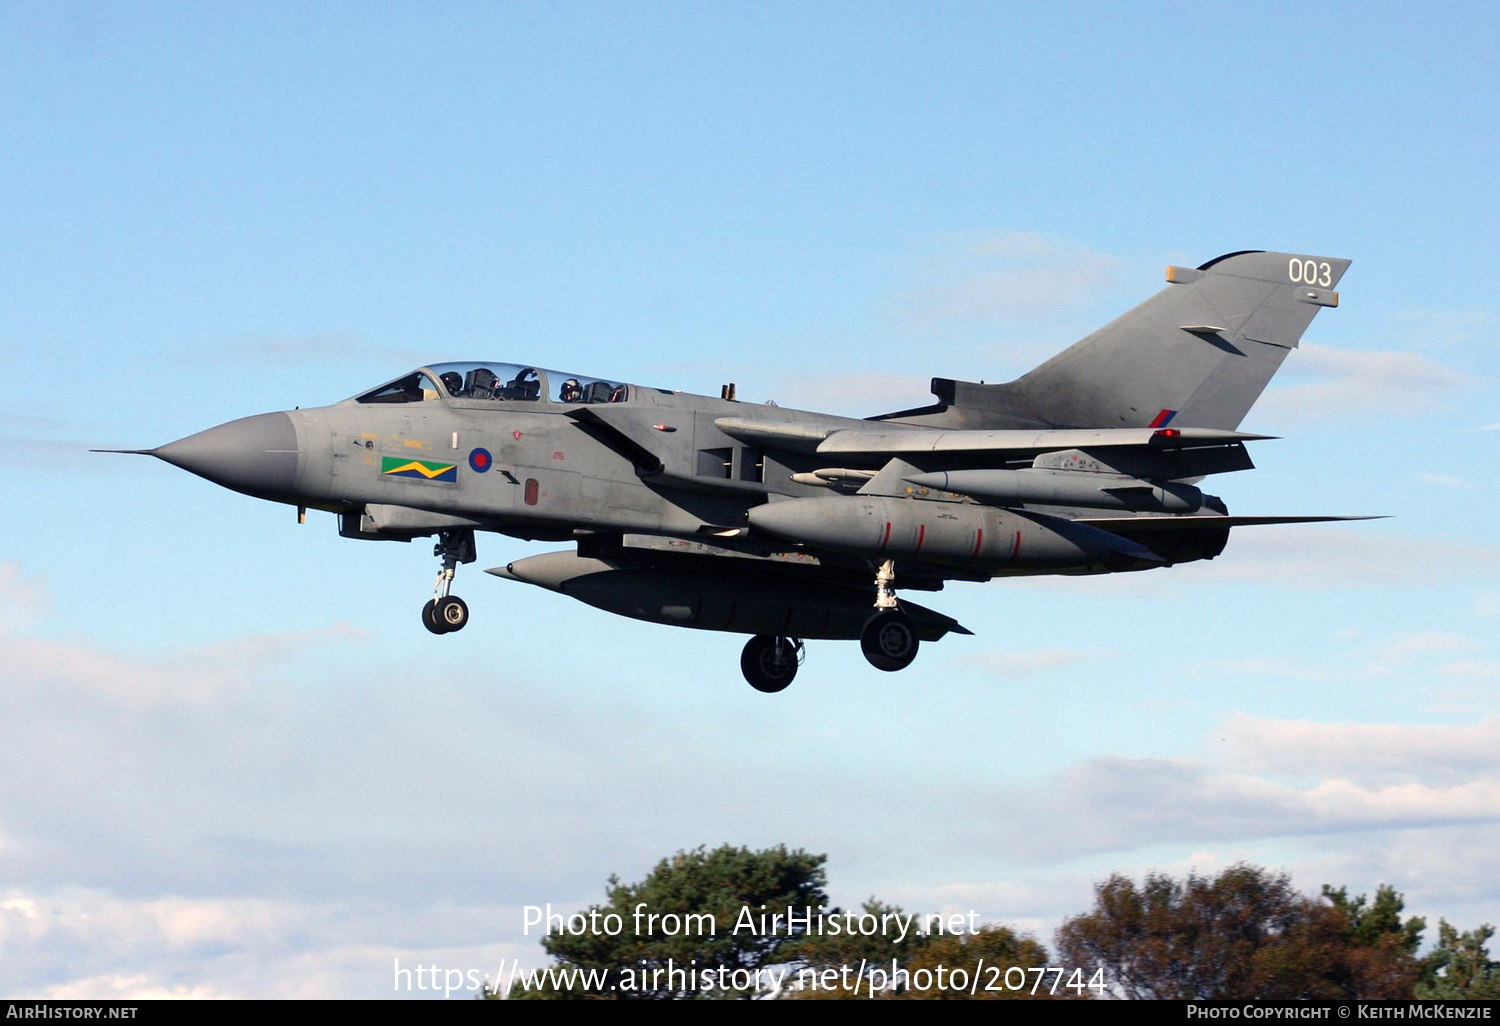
1197,354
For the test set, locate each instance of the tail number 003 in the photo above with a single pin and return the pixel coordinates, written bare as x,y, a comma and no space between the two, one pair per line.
1309,272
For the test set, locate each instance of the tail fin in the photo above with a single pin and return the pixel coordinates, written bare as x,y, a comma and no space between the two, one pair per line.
1197,354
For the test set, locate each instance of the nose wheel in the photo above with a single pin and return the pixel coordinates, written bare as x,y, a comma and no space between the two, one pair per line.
450,614
769,663
445,613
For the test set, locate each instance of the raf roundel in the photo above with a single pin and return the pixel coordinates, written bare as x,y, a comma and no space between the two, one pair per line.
479,460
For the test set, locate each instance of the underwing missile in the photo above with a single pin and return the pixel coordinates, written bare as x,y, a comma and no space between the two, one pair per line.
1065,488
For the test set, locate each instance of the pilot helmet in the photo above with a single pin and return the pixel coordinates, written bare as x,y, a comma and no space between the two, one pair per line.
452,382
572,391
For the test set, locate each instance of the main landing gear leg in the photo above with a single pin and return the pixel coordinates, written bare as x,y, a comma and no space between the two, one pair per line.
769,663
889,638
446,613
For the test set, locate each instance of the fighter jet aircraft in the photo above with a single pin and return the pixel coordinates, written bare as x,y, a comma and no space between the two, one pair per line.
792,526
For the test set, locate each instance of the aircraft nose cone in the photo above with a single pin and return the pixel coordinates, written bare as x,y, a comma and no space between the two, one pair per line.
255,455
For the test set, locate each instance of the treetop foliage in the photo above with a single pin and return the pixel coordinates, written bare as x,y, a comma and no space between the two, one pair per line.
684,913
1244,934
1460,967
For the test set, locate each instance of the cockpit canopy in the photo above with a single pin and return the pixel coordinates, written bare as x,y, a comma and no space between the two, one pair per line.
496,381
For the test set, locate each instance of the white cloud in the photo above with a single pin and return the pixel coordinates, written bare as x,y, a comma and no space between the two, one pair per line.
1481,669
1445,480
1466,687
1444,327
22,598
192,675
29,422
87,944
328,347
1033,905
1351,381
1404,650
1362,750
17,907
131,987
1116,804
1313,556
853,394
1021,664
1425,642
47,454
1006,274
1261,781
1262,666
269,836
48,443
1447,871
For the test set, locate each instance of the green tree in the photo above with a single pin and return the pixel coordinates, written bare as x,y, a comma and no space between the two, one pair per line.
876,949
1377,958
697,910
1180,940
873,947
1242,935
926,967
1460,967
1371,924
983,959
1325,955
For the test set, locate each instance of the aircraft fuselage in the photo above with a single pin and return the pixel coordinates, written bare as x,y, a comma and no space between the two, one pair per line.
787,524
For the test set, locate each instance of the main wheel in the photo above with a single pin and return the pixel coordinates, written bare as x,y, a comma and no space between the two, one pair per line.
451,614
428,621
769,663
889,641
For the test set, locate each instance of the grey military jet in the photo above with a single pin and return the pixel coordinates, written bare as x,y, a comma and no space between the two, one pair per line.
791,526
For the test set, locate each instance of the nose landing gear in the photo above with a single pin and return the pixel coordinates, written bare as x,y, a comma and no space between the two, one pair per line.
446,613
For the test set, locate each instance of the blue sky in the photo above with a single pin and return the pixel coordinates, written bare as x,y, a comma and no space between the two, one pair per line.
232,762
